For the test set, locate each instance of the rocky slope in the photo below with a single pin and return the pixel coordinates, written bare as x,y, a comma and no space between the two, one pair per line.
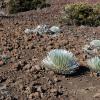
23,78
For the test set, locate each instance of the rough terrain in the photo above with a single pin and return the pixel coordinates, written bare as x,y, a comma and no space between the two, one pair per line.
22,77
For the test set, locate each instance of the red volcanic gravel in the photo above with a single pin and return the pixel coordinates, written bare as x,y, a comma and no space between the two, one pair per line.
23,78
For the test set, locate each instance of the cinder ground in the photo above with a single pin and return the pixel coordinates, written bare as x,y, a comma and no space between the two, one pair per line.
22,77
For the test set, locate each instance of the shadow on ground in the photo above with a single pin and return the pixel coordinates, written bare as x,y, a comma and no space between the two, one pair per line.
81,71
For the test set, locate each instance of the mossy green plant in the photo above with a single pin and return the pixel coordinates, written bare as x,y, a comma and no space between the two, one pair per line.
82,14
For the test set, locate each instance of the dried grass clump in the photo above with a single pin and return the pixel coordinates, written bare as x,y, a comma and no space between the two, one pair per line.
82,14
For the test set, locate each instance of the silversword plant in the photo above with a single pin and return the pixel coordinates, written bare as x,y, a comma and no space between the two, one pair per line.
61,61
94,64
95,44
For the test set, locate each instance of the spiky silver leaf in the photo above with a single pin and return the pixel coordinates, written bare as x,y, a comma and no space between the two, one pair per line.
61,61
94,63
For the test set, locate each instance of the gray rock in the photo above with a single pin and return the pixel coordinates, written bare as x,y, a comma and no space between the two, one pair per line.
26,67
33,95
2,13
53,90
39,89
28,31
41,29
55,29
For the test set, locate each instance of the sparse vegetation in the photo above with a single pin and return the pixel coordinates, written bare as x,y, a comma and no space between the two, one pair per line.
82,14
27,73
15,6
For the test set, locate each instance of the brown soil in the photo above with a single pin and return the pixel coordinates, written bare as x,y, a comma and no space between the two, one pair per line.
22,78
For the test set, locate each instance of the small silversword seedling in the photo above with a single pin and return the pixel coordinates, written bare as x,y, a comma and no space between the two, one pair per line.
94,64
61,61
95,44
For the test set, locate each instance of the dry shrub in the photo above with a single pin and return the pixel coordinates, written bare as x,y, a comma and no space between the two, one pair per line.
15,6
82,14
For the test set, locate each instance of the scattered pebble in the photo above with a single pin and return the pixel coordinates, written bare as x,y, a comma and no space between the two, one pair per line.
28,31
1,63
43,29
53,90
33,95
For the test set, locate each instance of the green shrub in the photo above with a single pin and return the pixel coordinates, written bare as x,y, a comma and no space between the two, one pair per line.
82,14
15,6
